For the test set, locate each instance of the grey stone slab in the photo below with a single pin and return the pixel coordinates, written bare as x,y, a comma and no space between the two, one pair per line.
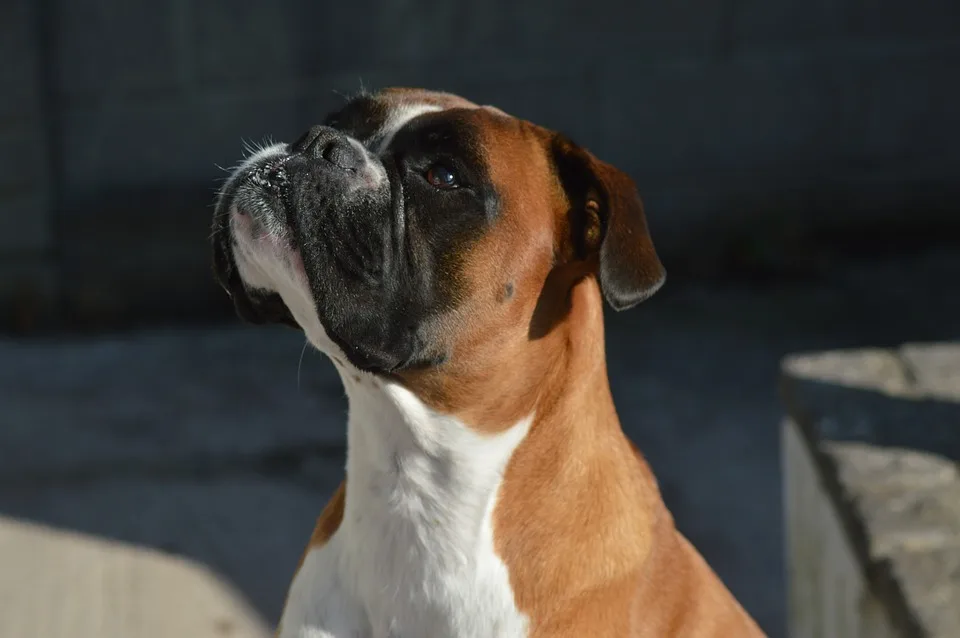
164,400
887,445
909,501
931,582
868,396
875,369
907,507
935,368
247,531
60,584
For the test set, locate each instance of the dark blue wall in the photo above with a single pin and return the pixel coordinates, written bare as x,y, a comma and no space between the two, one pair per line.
731,115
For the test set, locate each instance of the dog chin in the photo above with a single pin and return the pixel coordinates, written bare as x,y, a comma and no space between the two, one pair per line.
267,263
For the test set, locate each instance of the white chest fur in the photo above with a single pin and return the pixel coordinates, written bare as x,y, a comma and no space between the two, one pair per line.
414,555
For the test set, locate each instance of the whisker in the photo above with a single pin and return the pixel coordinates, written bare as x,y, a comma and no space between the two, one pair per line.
249,148
306,342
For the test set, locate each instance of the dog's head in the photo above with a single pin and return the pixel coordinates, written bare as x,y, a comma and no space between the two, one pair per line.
413,230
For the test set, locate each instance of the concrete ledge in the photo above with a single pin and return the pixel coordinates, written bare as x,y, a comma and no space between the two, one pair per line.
65,585
872,492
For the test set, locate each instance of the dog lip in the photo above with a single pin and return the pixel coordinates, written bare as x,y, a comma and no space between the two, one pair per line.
250,173
261,193
270,176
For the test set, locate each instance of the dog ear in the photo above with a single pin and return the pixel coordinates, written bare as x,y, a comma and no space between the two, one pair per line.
607,222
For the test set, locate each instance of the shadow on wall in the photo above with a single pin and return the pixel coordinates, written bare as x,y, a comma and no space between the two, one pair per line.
218,446
141,252
246,525
844,412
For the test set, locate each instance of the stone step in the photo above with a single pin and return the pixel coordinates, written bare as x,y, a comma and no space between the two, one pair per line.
872,492
65,585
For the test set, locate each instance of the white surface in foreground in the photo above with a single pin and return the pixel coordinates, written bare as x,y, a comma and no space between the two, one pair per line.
66,585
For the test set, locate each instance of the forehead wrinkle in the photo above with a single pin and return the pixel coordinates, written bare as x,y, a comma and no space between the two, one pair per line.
514,156
405,105
401,116
517,165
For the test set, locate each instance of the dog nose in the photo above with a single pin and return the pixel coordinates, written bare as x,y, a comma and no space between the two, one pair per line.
323,142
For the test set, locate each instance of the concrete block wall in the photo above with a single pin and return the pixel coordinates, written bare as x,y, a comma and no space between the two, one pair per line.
726,112
27,271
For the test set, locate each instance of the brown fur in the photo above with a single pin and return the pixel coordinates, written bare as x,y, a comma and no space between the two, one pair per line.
580,523
328,522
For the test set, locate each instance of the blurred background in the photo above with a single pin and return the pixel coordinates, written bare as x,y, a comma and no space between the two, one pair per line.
799,161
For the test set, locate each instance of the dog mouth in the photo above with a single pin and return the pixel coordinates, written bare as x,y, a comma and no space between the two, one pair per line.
250,217
271,176
322,245
260,194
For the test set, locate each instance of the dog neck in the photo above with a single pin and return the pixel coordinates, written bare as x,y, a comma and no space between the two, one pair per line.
397,445
396,441
416,540
441,519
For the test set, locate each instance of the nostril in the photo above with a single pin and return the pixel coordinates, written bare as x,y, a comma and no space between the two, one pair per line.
341,154
328,152
323,142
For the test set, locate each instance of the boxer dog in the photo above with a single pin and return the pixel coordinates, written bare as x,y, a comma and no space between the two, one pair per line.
452,261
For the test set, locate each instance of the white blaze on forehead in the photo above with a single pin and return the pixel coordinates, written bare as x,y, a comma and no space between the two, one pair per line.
399,116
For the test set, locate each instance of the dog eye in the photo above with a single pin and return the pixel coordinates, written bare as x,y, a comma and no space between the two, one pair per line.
439,176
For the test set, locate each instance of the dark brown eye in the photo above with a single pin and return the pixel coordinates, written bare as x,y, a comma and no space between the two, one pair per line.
439,176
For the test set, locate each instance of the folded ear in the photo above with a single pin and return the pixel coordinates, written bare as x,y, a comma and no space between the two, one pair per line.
607,220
